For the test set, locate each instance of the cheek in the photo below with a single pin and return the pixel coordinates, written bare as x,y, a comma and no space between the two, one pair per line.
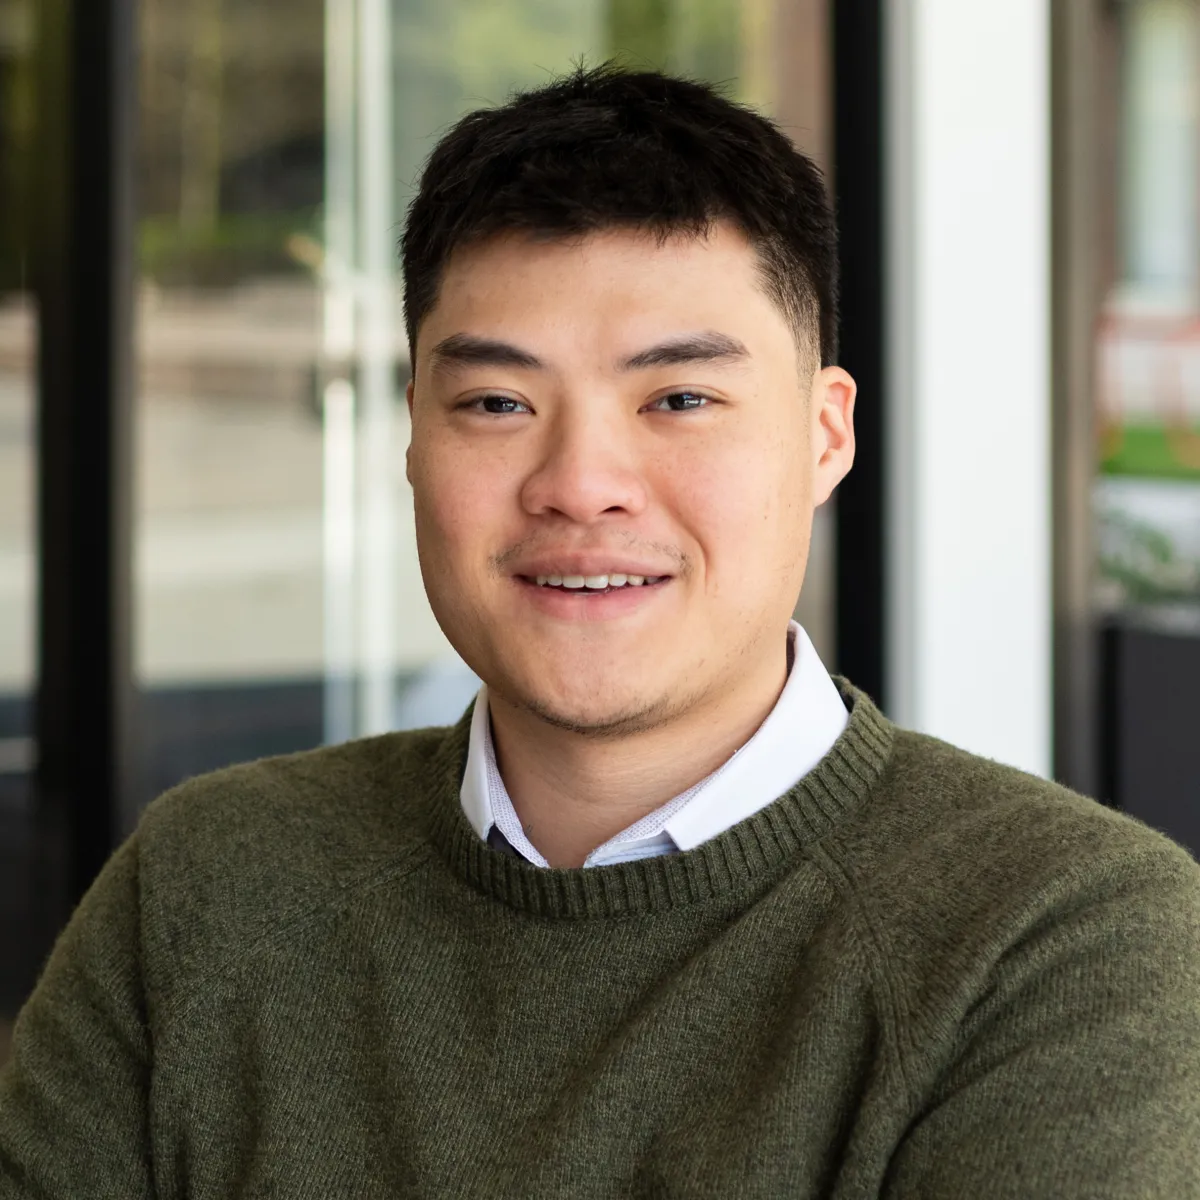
451,507
746,507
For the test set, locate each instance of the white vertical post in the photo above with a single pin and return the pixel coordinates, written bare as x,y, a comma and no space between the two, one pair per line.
339,547
969,579
377,339
338,484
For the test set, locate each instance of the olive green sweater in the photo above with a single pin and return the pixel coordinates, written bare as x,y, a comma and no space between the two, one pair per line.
917,974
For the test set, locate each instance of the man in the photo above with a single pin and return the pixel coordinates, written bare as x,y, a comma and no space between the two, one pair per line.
668,912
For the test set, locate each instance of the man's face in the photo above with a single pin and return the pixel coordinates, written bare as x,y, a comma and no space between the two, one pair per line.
594,412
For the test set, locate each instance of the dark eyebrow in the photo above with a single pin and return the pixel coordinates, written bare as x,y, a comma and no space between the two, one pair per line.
690,348
464,349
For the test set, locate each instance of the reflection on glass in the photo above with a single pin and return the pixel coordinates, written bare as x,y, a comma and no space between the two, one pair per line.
1158,185
17,552
1148,352
279,596
228,647
18,336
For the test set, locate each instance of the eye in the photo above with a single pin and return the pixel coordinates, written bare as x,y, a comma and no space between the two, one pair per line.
496,406
679,402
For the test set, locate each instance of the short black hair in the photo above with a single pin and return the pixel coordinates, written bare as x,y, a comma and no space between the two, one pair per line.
604,148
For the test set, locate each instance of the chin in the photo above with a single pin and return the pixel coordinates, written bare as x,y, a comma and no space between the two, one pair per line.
598,712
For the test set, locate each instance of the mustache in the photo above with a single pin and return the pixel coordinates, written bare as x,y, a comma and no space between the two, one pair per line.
629,542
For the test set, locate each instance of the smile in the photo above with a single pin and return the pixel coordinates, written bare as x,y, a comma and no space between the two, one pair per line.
592,597
598,583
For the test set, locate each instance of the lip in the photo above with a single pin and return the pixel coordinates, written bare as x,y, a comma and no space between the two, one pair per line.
589,564
585,605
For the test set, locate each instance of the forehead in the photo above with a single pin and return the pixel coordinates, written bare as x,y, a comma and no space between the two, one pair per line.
613,285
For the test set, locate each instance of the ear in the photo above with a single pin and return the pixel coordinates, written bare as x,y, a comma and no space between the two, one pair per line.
408,395
832,414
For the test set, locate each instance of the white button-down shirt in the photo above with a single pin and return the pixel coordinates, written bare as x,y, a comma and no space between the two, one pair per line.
807,719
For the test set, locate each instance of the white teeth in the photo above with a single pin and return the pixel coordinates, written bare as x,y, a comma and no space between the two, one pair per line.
598,583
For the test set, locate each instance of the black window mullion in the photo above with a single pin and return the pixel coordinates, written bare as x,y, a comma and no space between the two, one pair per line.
858,62
84,258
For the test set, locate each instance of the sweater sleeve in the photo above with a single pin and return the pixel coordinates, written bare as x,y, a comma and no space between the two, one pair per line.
1077,1074
74,1095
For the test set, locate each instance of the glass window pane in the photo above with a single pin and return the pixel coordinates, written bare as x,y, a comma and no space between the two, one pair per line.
18,337
228,625
1148,352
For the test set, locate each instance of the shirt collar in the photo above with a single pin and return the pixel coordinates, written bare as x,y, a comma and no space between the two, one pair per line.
807,719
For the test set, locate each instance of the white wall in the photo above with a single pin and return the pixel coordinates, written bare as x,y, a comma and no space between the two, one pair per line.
967,109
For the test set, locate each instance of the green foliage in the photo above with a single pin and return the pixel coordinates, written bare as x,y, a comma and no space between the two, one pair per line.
698,38
17,127
639,31
1152,450
1144,561
229,250
708,40
452,56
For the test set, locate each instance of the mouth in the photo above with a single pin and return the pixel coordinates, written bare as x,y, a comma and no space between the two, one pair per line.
594,585
600,597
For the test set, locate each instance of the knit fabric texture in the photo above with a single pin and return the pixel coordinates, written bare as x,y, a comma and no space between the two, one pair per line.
916,974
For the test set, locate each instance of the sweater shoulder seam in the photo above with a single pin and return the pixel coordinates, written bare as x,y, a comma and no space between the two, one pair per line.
404,863
863,927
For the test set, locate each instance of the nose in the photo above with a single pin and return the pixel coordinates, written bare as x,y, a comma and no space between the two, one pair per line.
587,469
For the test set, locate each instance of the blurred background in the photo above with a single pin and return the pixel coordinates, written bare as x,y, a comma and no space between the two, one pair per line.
206,544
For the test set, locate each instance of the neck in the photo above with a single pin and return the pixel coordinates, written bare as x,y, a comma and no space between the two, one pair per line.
573,792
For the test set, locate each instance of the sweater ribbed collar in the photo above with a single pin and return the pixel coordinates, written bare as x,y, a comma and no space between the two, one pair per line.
749,852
